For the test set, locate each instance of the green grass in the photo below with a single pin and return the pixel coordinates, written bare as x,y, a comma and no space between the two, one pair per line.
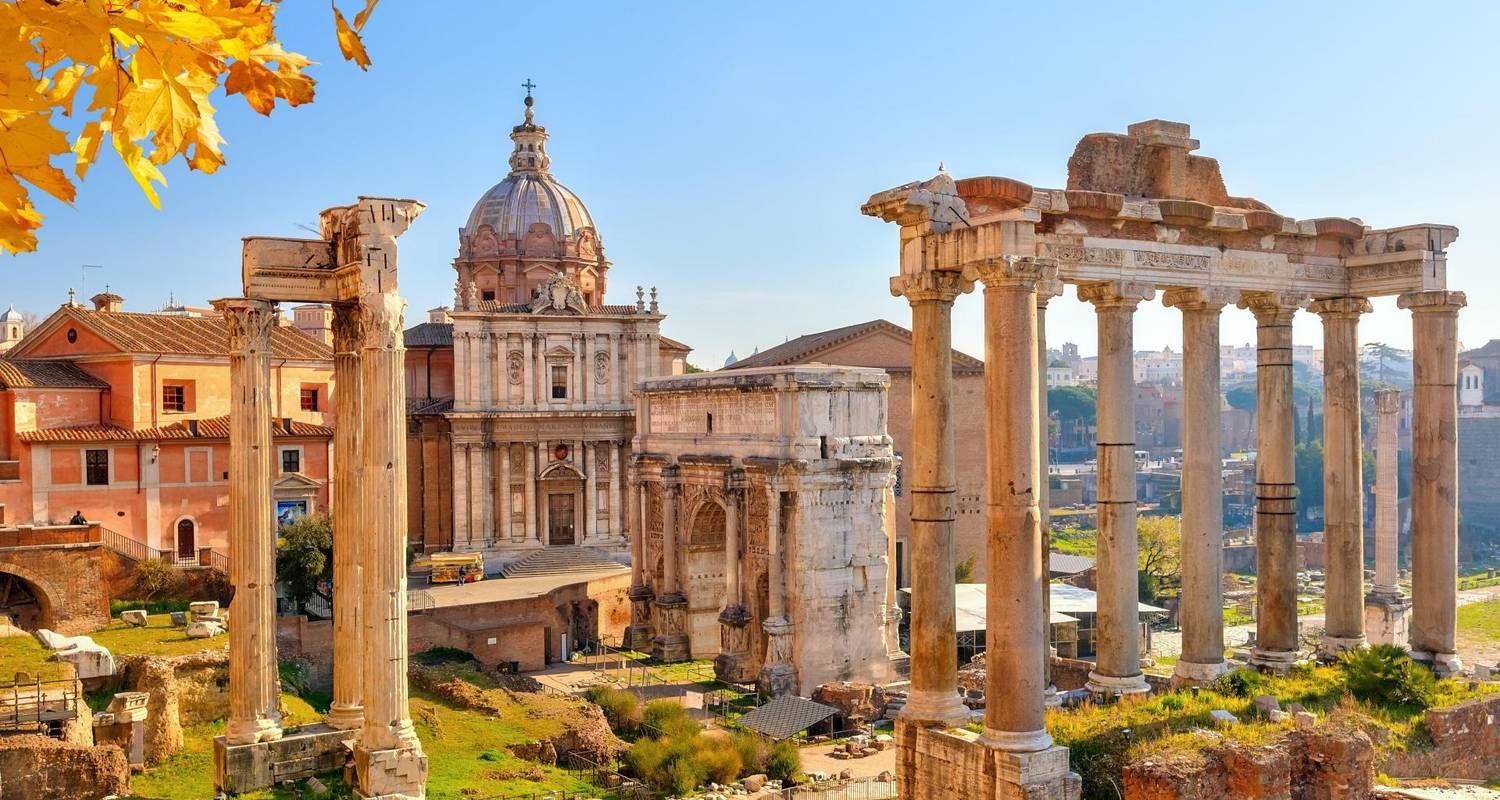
1076,542
1234,616
158,638
1480,620
26,654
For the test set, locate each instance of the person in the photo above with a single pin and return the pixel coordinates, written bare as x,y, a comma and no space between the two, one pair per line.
78,519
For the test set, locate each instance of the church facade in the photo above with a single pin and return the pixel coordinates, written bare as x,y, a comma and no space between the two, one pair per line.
521,410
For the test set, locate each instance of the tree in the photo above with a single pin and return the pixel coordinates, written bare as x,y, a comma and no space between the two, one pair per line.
1384,358
304,557
963,571
1160,549
1309,464
1241,397
148,68
1073,402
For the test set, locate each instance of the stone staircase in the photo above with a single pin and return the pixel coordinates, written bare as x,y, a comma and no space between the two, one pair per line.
559,561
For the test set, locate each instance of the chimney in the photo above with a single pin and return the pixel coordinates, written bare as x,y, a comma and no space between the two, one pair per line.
107,301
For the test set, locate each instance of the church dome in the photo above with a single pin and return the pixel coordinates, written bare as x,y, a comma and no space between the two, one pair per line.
529,194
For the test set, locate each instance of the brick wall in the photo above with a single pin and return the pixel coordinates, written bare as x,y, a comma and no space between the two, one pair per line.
1478,480
69,582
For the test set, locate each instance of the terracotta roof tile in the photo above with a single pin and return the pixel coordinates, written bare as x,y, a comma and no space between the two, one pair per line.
212,428
430,334
164,333
802,349
22,373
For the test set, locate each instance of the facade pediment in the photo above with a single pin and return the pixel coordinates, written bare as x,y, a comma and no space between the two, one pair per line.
295,480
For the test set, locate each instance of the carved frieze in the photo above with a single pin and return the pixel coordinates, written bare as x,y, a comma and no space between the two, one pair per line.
1077,253
1176,261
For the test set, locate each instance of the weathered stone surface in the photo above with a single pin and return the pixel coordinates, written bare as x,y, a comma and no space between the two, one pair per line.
1466,744
203,629
135,618
41,768
1334,763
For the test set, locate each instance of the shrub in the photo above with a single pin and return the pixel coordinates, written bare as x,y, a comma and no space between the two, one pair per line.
1172,702
293,676
665,716
149,606
752,750
717,756
1386,676
1242,682
783,761
646,759
683,777
154,577
622,709
437,656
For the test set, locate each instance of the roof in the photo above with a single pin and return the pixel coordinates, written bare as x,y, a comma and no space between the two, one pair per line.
212,428
525,308
971,605
430,334
1069,564
786,716
176,335
803,348
428,405
21,373
669,343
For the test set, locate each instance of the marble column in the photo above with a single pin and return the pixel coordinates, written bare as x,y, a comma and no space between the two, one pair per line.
1343,475
640,633
672,642
733,663
1046,290
590,492
388,760
932,479
254,695
528,383
777,676
529,501
502,505
1117,667
1434,477
617,513
1201,606
1387,610
1276,634
1015,655
347,712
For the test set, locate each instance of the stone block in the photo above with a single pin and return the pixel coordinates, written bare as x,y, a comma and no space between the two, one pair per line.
179,618
1277,716
1222,718
129,706
135,618
400,772
204,629
1266,703
1304,720
300,753
52,640
204,608
89,660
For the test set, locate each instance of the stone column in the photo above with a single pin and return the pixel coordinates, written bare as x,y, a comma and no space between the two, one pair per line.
1343,475
933,482
1201,607
617,514
590,491
1276,635
254,696
502,505
528,364
346,711
529,501
1015,656
777,676
733,662
1434,472
1117,668
1046,290
388,759
672,642
1387,610
640,633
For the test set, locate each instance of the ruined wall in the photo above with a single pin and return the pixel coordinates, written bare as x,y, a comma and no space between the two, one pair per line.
1466,744
69,582
1331,762
1478,480
181,691
41,768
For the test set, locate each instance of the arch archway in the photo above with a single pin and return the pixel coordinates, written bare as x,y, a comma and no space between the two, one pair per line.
704,579
25,604
186,538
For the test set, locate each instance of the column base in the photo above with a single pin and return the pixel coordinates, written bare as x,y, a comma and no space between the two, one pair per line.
933,763
733,664
1388,619
1446,665
777,680
1274,660
251,731
942,707
302,753
1333,646
639,638
1113,685
345,717
1050,698
1193,673
672,644
399,773
1016,741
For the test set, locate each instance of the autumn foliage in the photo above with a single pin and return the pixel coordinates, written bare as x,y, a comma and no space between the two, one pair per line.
146,69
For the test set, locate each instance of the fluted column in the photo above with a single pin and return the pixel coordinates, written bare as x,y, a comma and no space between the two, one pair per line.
503,510
1117,664
777,677
254,697
590,492
672,642
1434,476
617,514
1276,634
733,662
1015,656
1343,475
1046,290
1387,527
640,633
933,483
347,711
1201,606
529,501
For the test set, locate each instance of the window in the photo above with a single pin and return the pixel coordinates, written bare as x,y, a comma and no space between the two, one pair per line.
96,467
309,399
559,383
291,460
173,398
487,294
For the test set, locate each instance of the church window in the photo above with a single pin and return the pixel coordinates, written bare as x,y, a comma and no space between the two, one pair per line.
559,383
487,294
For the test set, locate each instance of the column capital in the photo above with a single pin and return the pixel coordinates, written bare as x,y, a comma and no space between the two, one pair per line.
1012,272
1207,298
1272,308
1115,294
671,478
1388,400
382,318
931,286
1340,307
348,328
250,323
1438,301
1046,290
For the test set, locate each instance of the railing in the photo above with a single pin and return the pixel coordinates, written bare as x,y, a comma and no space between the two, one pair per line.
137,550
856,789
418,601
38,702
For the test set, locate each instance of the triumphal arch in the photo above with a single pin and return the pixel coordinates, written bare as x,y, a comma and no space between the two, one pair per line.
1142,216
353,268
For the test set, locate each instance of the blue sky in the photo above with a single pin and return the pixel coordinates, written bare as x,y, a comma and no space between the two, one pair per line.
724,150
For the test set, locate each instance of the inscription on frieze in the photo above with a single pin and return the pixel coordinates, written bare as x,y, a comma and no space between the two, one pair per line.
1175,261
1395,269
1080,254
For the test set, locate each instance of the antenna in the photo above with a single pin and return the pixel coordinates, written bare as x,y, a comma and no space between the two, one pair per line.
83,275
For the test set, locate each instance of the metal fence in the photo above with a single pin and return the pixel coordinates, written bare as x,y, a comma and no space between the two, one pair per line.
857,789
137,550
28,705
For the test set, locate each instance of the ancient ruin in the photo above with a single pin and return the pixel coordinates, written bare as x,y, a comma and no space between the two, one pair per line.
353,267
763,538
1140,214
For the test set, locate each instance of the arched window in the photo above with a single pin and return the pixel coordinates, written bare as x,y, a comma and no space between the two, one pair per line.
186,534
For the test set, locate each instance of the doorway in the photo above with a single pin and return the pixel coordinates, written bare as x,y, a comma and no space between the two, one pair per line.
560,519
186,546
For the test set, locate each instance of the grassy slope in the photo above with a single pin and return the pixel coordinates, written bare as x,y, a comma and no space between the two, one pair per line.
190,773
1480,620
26,654
158,638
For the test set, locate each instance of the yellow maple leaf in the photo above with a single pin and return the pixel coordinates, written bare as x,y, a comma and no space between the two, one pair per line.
140,168
86,147
65,85
26,148
350,44
256,82
364,16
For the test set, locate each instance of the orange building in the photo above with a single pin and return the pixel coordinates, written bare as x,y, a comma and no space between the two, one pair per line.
124,417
